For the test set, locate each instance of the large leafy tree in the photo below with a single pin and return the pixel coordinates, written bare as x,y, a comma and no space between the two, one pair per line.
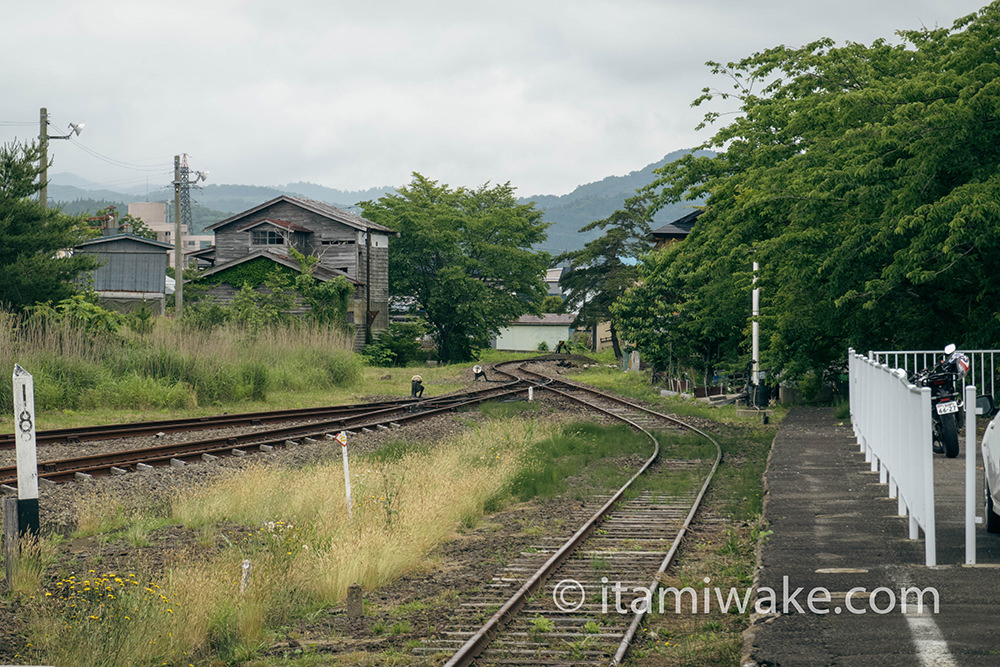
32,267
865,180
465,258
601,271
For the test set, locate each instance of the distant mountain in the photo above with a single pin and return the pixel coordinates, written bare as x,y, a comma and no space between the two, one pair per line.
212,203
596,201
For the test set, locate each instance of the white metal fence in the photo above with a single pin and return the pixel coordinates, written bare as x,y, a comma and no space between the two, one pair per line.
892,422
982,364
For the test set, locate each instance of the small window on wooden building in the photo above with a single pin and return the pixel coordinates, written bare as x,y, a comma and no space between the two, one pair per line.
266,237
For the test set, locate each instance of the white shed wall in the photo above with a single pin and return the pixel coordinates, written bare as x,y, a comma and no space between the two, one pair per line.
526,338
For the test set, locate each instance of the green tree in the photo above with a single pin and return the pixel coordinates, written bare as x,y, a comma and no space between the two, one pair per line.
138,226
552,304
328,300
865,180
135,224
35,265
601,272
465,258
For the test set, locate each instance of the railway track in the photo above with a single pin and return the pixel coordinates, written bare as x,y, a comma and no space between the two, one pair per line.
363,417
561,602
133,429
622,539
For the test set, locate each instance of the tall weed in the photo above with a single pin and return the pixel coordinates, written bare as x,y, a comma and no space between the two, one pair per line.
170,366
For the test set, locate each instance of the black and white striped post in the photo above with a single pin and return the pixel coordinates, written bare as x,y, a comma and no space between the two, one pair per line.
27,459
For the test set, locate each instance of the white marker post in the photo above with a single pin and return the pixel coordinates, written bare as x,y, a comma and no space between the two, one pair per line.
27,458
342,439
246,568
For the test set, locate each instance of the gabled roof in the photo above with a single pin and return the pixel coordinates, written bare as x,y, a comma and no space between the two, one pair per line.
208,251
123,237
283,224
321,273
679,228
319,208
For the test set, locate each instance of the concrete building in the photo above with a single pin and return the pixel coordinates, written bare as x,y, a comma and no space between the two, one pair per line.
154,215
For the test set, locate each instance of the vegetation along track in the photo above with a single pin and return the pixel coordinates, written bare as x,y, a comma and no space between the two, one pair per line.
362,417
132,429
632,537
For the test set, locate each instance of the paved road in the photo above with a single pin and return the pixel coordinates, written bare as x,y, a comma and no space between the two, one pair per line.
835,530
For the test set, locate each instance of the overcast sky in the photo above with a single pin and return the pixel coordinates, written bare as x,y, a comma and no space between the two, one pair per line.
546,94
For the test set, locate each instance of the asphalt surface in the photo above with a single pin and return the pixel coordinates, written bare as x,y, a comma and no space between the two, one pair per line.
834,529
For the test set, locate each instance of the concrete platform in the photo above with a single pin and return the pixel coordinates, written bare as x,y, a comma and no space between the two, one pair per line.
834,529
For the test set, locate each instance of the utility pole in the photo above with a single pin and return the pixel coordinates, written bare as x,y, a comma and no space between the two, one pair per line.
178,246
755,329
43,147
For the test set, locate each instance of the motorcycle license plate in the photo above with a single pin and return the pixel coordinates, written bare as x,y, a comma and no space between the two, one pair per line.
947,408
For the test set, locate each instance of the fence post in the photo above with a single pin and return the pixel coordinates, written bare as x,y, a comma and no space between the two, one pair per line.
10,538
926,451
970,475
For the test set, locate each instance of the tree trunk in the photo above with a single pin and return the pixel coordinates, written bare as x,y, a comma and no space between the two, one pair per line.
614,342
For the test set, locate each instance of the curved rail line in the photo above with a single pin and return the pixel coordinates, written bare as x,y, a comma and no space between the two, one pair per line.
388,414
639,418
359,418
132,429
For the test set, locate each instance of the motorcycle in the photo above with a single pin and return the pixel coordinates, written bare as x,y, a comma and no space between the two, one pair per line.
946,380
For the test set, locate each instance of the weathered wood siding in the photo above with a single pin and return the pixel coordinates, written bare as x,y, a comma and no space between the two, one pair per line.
232,244
338,246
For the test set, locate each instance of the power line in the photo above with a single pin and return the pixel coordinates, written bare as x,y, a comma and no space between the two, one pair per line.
161,166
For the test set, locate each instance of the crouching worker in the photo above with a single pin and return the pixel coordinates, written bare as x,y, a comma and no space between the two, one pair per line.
416,386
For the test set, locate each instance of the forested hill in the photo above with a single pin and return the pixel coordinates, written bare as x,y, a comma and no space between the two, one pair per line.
211,203
596,201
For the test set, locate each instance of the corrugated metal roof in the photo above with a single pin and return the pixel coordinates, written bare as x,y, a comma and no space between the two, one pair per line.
124,237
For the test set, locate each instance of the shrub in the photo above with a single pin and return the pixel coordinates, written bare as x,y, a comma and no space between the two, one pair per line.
396,345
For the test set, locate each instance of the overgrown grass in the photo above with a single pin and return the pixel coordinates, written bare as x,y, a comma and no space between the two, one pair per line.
637,385
302,546
722,553
575,448
32,554
172,368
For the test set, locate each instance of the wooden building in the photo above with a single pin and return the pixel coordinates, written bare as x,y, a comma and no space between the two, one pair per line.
675,231
132,274
346,244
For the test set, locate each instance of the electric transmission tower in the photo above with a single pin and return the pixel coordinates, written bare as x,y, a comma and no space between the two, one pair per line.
182,220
